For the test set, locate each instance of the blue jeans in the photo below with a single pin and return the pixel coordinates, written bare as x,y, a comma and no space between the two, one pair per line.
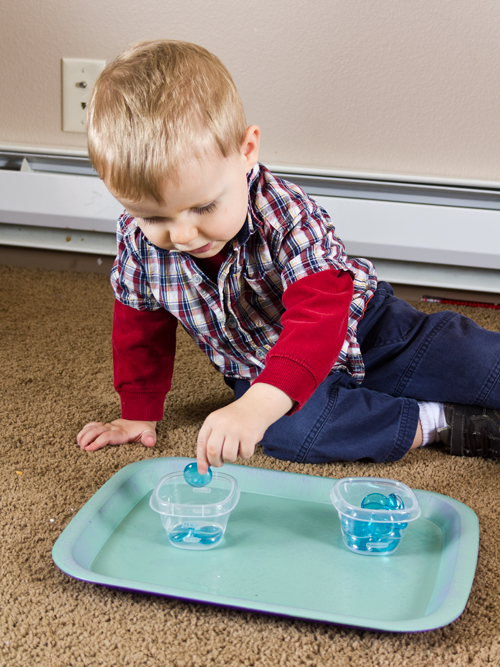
409,356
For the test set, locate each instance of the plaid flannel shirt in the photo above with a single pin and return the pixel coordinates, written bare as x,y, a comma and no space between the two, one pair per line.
236,321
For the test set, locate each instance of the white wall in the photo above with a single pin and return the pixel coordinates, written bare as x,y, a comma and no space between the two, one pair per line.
403,86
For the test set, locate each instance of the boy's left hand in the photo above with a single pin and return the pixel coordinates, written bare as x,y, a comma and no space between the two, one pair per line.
236,429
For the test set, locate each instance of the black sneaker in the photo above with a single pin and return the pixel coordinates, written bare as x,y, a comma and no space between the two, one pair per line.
471,430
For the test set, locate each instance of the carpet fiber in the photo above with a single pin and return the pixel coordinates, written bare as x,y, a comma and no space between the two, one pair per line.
57,375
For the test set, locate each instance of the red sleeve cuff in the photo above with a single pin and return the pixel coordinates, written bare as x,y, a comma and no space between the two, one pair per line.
290,376
147,406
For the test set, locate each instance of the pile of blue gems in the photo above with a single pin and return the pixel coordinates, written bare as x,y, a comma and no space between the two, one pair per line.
187,532
373,536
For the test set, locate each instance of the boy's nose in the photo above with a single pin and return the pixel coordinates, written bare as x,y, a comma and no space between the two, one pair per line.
183,234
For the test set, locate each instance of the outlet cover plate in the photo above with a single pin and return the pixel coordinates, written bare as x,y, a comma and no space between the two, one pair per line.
78,79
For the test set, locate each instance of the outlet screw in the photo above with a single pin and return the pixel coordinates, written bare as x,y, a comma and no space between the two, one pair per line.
81,84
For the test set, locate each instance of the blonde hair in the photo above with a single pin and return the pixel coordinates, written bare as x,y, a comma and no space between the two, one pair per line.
157,105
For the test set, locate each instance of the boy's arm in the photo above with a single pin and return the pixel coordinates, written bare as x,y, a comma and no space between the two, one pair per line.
144,344
314,330
235,429
143,360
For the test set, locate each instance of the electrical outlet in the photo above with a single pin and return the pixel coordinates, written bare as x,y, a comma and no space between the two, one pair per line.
78,79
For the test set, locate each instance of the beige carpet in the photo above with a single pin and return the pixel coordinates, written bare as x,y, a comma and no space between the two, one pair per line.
56,375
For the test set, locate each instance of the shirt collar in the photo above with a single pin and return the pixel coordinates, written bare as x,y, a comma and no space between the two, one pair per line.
251,221
253,176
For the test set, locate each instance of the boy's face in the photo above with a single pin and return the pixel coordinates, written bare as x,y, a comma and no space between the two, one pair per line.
206,209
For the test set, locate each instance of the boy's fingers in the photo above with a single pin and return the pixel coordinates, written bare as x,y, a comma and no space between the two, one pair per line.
230,450
201,450
89,436
202,465
98,443
95,435
247,449
215,446
86,429
202,461
100,438
93,447
109,437
90,424
148,439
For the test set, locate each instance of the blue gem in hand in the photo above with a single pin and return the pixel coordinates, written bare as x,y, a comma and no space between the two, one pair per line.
193,477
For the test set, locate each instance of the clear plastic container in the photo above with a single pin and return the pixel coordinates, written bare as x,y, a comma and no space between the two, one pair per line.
195,517
372,531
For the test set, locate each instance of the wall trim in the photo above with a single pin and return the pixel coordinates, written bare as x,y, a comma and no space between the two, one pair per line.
286,169
418,233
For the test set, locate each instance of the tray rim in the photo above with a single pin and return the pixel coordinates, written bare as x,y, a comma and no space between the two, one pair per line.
451,608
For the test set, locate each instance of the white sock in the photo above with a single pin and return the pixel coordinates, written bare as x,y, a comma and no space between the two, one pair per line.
431,418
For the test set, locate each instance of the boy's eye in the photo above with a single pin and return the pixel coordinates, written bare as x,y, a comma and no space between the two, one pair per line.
150,220
200,210
205,209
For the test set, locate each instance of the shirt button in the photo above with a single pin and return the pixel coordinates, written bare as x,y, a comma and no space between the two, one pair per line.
197,280
261,353
231,322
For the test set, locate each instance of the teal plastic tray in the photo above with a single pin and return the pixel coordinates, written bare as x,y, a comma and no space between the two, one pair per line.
282,553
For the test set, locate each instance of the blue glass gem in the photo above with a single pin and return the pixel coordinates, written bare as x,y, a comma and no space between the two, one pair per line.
180,532
208,534
188,533
395,502
374,501
193,477
377,501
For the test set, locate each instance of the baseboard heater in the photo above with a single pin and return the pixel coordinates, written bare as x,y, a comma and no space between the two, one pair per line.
417,233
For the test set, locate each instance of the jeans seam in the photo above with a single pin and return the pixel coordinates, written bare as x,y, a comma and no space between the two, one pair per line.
389,341
417,357
400,448
489,384
316,427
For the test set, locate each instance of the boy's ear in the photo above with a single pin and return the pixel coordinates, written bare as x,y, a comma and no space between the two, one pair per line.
250,147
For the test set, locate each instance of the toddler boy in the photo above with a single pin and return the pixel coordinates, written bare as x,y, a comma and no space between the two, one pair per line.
325,363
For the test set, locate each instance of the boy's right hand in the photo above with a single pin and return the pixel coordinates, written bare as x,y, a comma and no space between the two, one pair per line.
95,435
